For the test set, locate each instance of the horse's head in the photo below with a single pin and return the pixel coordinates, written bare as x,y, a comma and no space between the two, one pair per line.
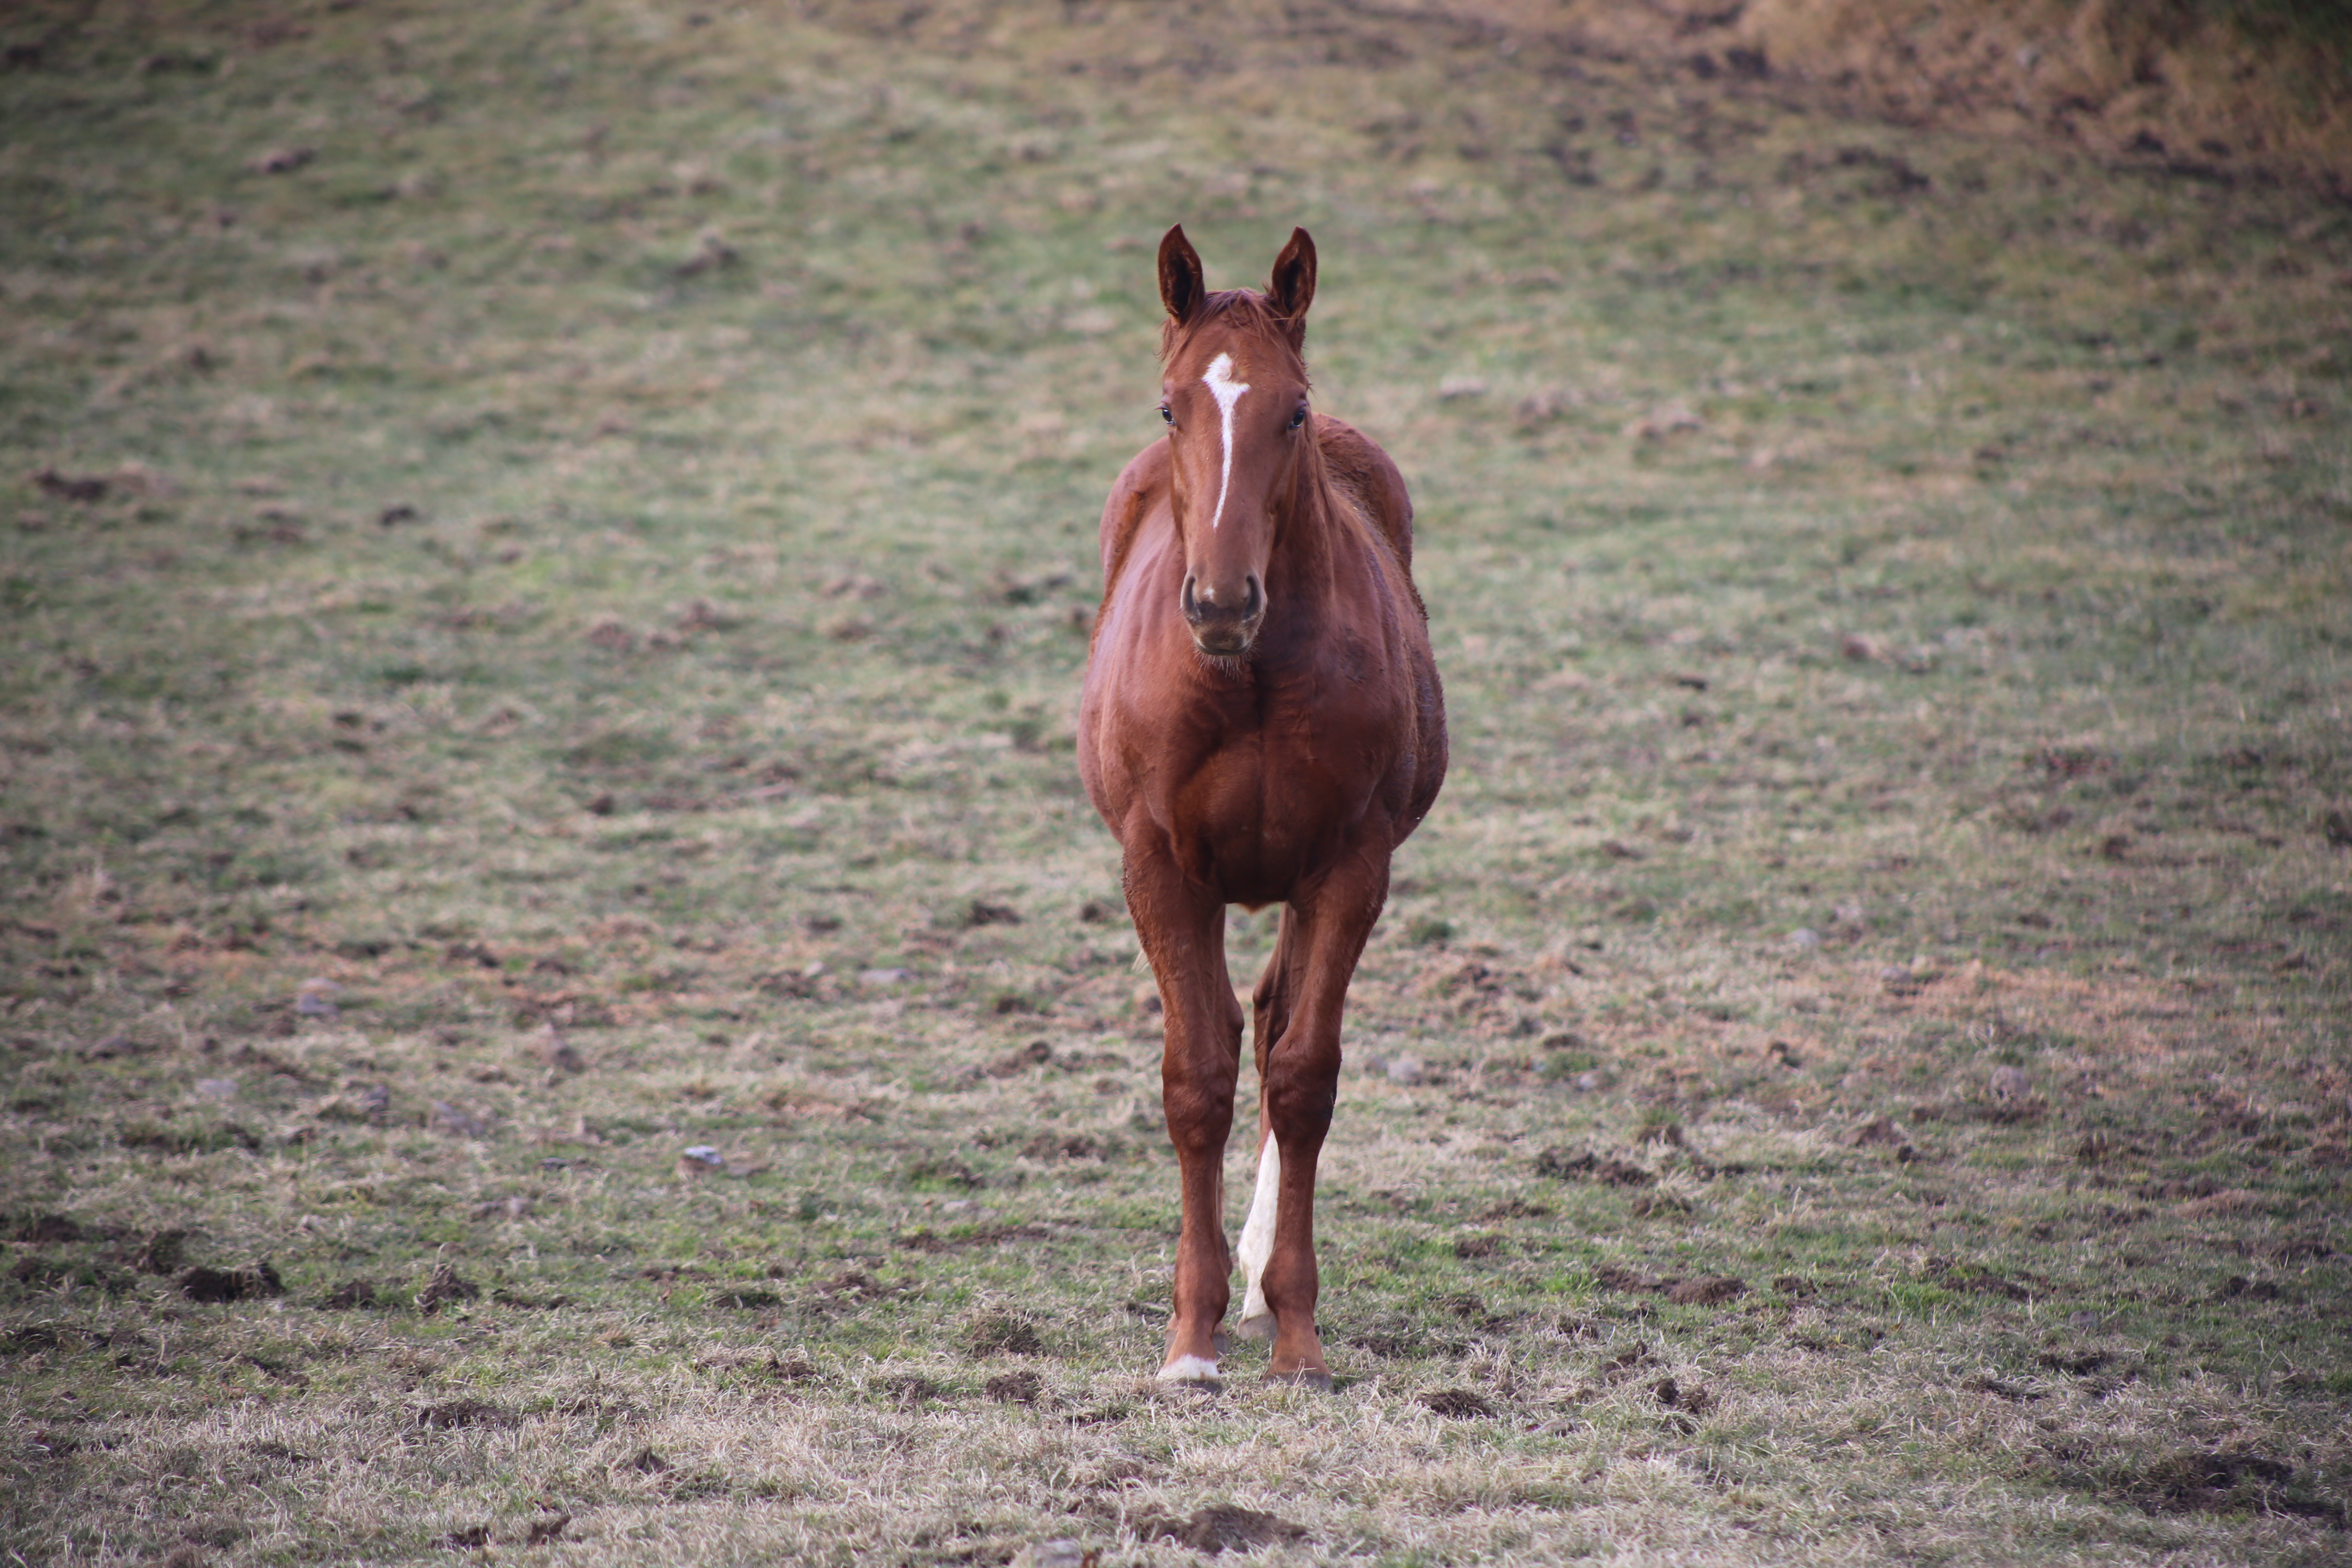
1234,393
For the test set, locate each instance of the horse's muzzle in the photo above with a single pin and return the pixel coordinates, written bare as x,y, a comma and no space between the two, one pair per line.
1223,629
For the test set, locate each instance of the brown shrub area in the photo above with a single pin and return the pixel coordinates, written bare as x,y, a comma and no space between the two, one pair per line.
2194,85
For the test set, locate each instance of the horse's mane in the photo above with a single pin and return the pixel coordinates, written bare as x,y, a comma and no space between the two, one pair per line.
1245,308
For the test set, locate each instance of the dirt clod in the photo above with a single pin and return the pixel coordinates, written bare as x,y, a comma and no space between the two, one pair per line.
1458,1403
1036,1053
203,1284
909,1392
445,1285
46,1229
1587,1165
1014,1388
1220,1527
86,489
1706,1291
1003,1334
160,1253
2230,1481
1063,1146
455,1413
349,1295
1618,1277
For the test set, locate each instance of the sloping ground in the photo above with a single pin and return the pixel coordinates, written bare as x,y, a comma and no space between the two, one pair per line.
545,559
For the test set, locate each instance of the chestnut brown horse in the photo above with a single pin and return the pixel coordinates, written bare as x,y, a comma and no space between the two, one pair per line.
1262,723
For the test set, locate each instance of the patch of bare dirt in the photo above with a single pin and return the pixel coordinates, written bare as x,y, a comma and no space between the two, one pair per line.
1222,1527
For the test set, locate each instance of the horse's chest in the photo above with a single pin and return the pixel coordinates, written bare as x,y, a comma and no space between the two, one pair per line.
1267,804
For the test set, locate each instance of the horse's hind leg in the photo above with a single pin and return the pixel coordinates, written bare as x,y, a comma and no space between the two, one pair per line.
1301,1086
1276,988
1182,932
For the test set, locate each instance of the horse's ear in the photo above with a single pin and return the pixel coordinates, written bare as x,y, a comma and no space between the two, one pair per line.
1292,288
1182,285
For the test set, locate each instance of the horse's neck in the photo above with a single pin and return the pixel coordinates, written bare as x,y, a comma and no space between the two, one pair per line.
1321,526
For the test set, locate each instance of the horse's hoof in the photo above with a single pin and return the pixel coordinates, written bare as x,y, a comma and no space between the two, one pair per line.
1311,1377
1193,1372
1258,1328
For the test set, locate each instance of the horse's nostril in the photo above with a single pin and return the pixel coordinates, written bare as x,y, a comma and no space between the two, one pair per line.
1201,605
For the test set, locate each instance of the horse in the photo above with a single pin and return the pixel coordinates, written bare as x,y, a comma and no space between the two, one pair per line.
1261,723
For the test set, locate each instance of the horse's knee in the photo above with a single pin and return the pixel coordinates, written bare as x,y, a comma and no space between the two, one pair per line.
1268,990
1300,1098
1199,1116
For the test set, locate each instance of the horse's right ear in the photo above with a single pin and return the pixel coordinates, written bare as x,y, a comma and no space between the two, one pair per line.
1182,285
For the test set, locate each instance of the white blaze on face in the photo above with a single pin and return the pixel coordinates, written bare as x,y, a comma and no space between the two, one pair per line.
1257,1240
1227,392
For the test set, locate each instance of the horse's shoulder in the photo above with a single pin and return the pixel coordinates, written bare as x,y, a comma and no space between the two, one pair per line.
1144,479
1358,466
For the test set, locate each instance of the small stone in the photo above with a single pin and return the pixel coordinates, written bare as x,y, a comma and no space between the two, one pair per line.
1406,1070
2010,1083
1805,937
1588,1083
217,1087
701,1160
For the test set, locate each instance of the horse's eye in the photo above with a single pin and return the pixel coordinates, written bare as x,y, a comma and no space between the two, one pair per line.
1167,415
1298,416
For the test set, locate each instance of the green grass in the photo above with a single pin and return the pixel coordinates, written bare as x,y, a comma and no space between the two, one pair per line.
599,553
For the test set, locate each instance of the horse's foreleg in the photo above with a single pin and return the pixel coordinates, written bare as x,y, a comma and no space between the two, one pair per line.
1272,1003
1301,1085
1182,932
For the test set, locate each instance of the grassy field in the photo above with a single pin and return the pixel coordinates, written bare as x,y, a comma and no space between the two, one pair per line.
546,555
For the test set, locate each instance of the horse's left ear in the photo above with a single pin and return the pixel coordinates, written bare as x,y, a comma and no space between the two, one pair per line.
1292,288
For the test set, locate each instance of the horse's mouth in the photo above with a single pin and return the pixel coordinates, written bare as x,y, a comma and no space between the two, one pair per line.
1224,640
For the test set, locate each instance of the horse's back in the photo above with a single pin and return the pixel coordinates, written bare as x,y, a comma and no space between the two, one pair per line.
1361,471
